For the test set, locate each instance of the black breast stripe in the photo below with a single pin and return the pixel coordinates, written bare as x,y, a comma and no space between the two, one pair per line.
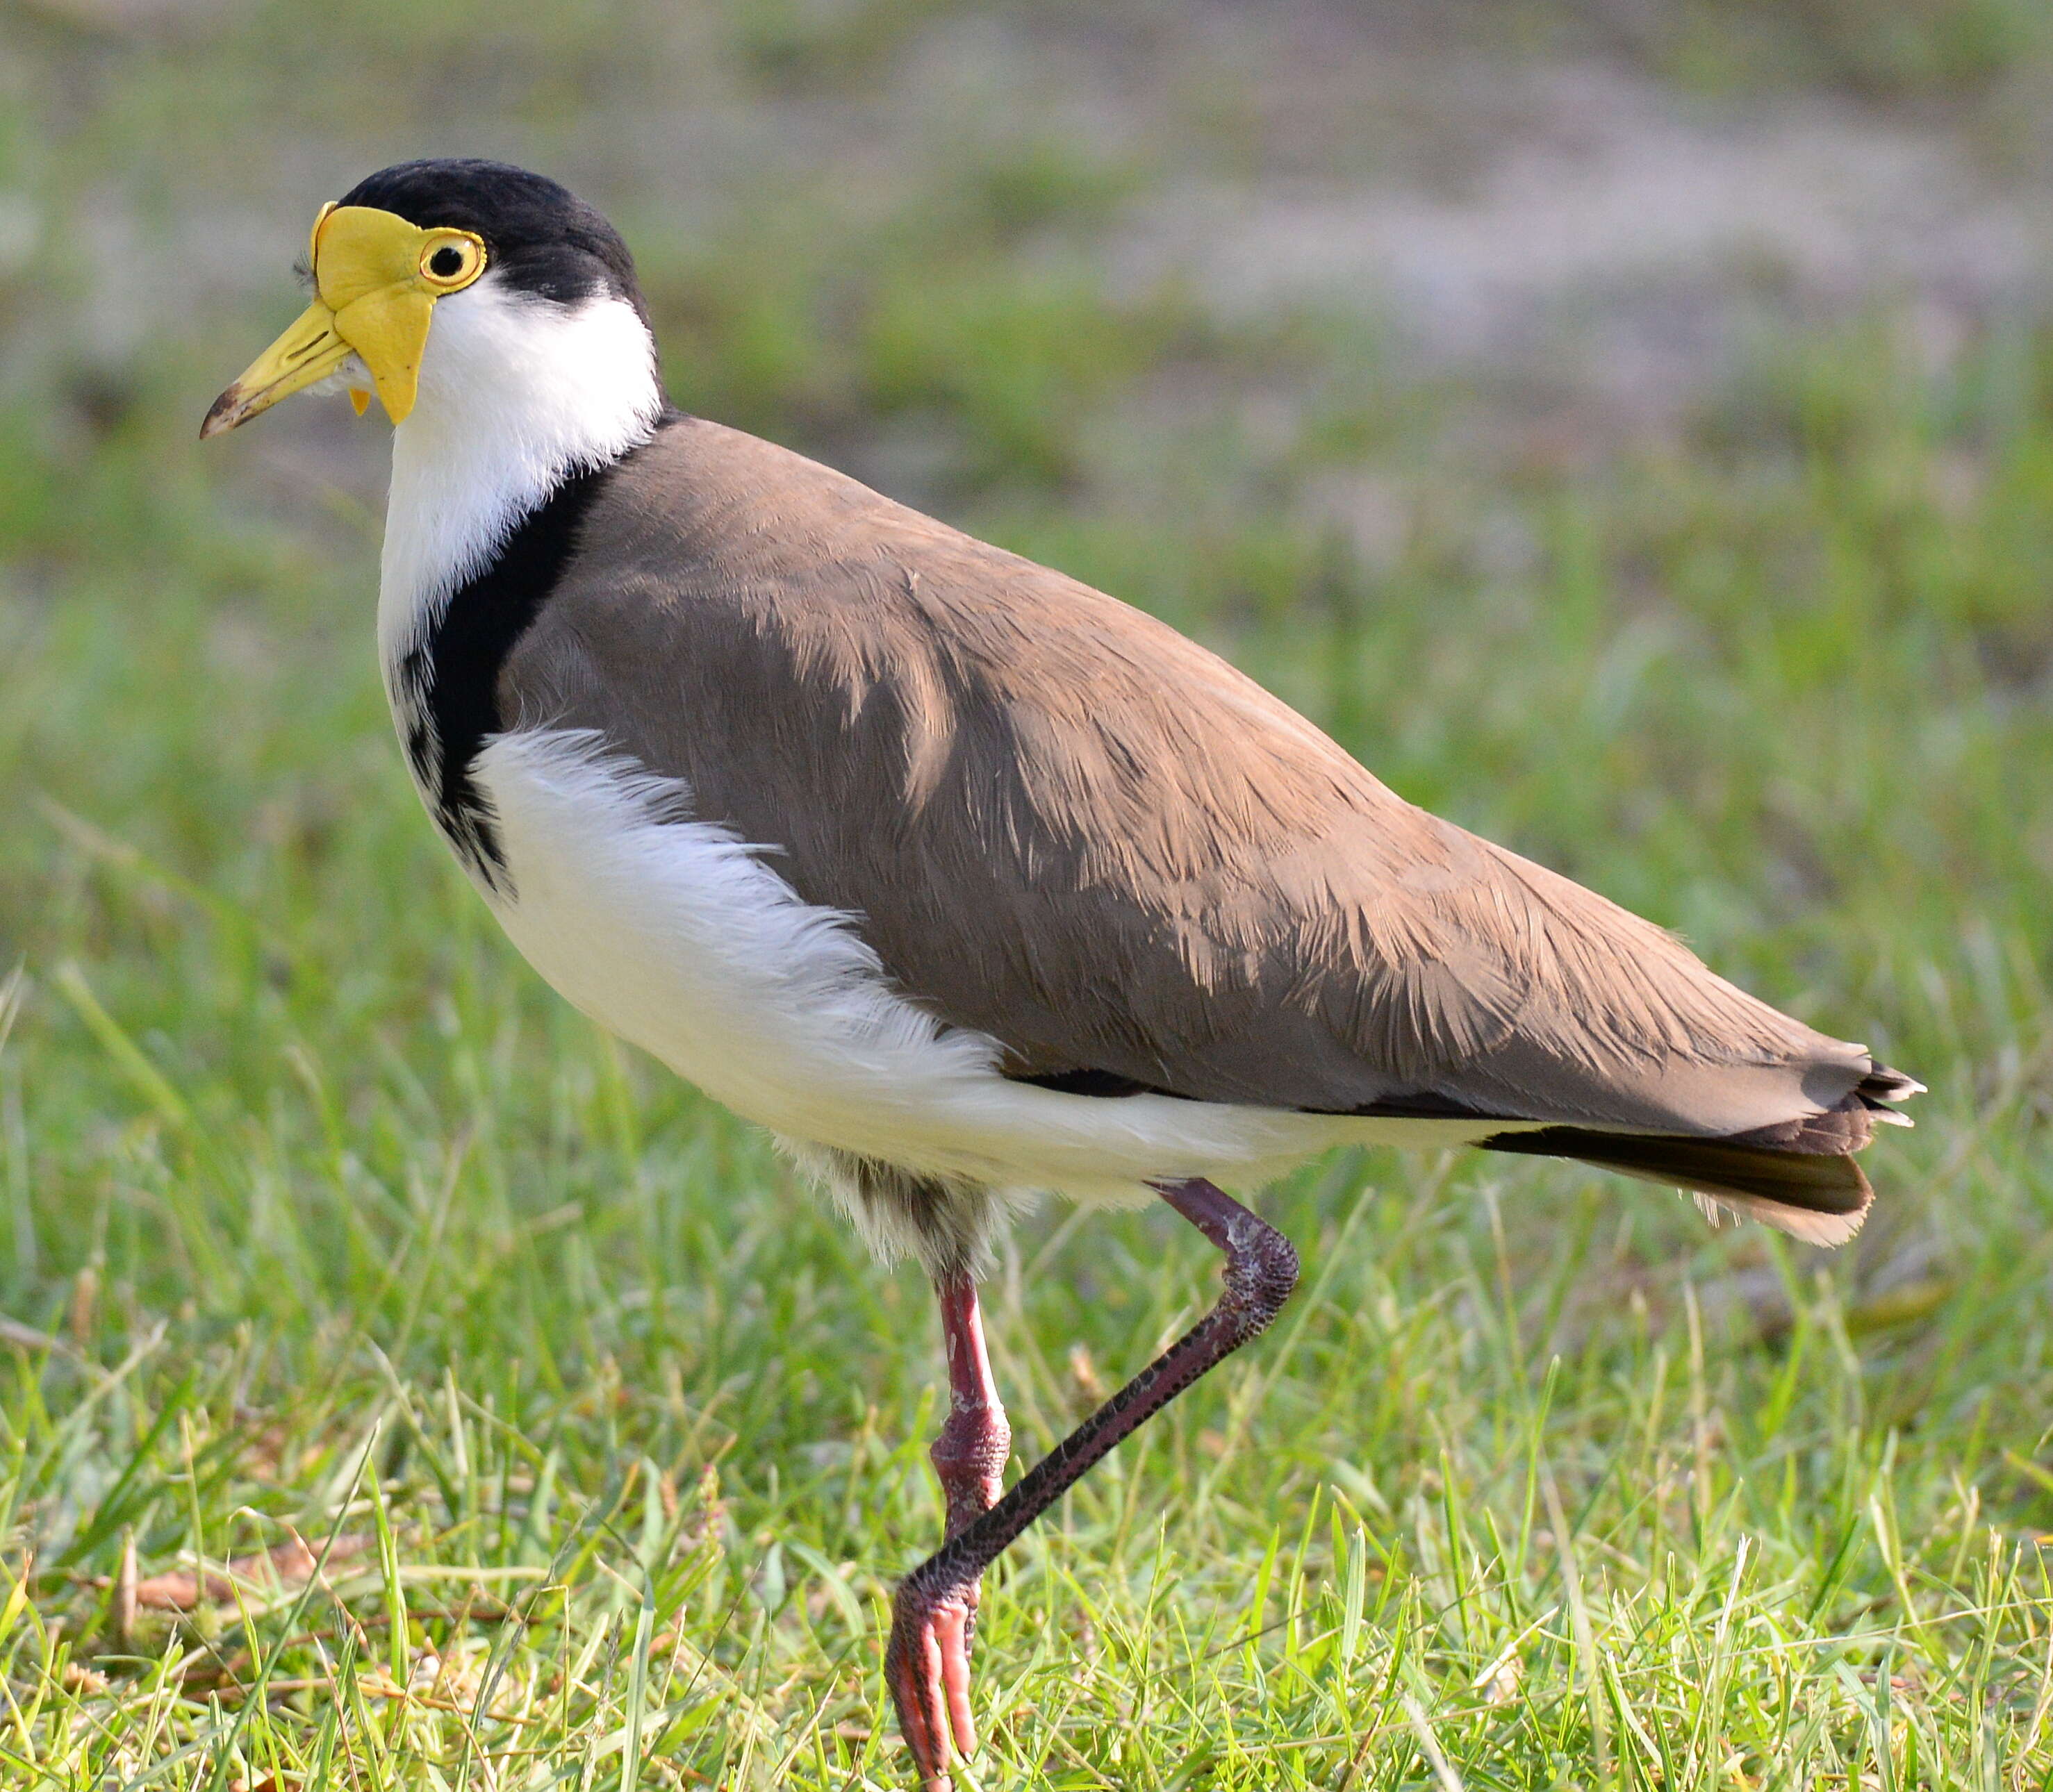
451,678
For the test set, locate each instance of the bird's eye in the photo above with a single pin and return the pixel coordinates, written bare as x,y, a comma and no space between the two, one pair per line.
450,260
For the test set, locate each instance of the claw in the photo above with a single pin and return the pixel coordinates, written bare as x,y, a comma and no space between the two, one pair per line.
927,1664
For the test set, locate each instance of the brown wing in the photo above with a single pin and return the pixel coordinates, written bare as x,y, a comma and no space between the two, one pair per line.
1063,824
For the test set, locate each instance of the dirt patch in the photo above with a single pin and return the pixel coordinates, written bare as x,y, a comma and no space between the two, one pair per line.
1614,236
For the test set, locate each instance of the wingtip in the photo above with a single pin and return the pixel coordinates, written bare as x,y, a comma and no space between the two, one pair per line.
1882,1083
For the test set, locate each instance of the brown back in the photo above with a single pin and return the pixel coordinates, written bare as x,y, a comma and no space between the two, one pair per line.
1061,823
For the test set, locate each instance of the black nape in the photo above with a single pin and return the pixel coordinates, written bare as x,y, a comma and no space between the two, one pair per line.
539,237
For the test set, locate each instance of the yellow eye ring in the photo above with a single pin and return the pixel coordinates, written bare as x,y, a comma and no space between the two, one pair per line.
450,260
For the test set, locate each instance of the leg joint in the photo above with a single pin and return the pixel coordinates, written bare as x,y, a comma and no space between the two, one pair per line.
976,1442
1261,1271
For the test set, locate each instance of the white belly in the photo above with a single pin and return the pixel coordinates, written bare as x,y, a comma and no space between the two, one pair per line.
680,938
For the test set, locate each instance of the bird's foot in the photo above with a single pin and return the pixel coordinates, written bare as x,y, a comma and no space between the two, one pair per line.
927,1664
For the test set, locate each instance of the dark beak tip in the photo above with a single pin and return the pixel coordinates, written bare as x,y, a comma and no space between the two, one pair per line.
218,420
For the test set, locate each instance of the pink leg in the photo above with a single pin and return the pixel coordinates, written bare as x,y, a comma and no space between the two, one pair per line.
927,1663
927,1660
970,1453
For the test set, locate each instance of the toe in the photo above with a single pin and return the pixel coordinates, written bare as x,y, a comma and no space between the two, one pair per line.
913,1670
914,1666
951,1627
927,1664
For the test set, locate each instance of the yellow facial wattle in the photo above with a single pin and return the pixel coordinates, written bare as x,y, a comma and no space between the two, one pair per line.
377,277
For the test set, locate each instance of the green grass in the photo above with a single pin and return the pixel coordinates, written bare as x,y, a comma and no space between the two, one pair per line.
323,1221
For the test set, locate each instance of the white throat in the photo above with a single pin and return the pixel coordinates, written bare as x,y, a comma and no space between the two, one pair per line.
515,393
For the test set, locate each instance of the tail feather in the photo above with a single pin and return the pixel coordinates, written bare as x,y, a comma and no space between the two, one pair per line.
1813,1190
1799,1177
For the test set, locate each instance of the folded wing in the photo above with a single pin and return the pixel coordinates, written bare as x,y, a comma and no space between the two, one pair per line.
1061,824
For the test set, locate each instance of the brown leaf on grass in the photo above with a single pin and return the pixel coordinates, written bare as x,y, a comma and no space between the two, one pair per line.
284,1568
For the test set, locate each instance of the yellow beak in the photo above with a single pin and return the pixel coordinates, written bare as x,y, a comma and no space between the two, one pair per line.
310,351
378,277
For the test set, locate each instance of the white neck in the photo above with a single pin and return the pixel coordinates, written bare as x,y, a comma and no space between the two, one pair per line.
515,394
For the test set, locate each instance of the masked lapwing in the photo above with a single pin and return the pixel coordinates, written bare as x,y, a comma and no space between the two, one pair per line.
961,878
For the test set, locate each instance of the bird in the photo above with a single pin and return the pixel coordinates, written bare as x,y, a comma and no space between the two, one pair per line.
966,881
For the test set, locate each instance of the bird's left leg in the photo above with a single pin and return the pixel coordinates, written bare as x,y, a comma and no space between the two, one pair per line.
969,1457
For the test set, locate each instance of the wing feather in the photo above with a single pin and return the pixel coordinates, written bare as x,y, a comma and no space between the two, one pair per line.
1062,824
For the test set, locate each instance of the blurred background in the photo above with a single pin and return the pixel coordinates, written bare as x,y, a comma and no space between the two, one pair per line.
1626,424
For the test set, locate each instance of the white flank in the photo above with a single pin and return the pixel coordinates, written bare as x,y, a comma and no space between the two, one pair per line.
677,935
